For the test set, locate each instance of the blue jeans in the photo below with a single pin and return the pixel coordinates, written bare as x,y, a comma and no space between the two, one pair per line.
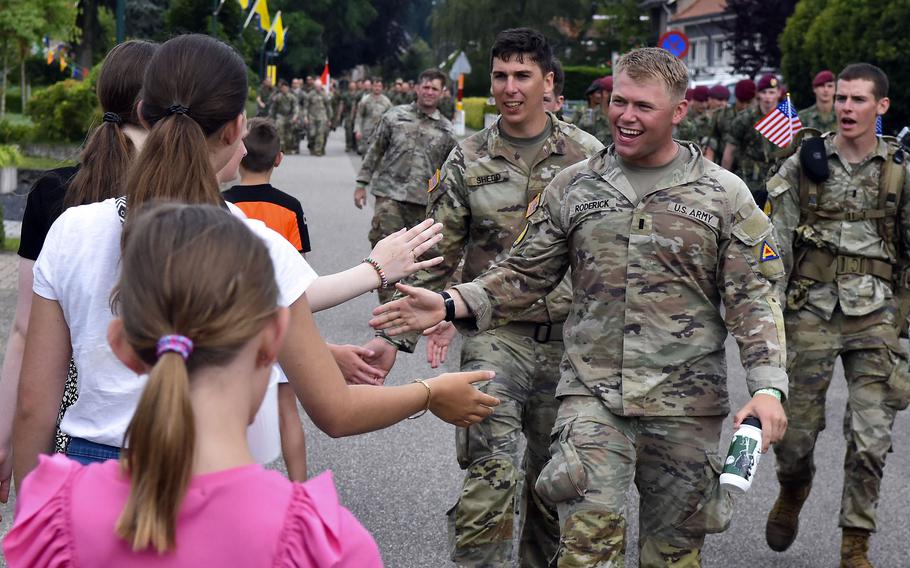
86,452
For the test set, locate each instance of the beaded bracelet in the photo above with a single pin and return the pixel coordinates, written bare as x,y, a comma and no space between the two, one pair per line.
429,395
769,390
383,281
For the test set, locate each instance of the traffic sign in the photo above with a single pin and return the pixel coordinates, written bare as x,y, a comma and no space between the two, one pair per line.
675,42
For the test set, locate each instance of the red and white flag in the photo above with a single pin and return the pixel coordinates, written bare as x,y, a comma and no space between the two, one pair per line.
325,77
781,124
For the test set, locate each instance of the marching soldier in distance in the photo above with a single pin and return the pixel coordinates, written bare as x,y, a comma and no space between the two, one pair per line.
820,116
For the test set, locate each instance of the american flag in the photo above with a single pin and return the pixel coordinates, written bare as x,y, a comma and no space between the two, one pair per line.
780,124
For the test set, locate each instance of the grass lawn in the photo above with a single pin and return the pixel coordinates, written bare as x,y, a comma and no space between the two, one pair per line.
10,244
17,118
41,163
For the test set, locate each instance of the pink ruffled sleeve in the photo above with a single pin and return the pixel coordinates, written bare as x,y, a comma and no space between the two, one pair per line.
41,535
319,533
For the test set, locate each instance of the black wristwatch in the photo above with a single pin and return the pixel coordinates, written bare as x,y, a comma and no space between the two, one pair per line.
449,302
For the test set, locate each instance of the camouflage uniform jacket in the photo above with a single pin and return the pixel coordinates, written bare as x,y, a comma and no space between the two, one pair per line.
721,121
480,198
348,105
447,107
369,110
284,105
602,128
408,147
848,188
645,332
754,151
316,105
813,118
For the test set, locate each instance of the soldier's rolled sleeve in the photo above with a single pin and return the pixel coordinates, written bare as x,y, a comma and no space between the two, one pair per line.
447,204
749,263
478,302
535,266
374,153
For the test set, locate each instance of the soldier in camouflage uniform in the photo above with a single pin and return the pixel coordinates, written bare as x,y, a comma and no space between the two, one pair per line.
347,100
820,116
316,111
847,253
409,146
696,127
755,152
284,110
744,92
263,96
447,105
480,197
587,117
643,392
370,109
718,96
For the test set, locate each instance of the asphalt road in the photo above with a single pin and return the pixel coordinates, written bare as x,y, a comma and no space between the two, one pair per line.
399,482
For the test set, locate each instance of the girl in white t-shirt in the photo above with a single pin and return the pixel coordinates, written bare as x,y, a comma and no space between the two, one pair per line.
193,101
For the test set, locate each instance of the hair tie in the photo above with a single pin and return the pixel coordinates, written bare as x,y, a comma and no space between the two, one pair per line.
179,344
177,109
111,117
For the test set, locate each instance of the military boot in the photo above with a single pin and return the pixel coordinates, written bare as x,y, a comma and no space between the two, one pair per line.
854,548
783,520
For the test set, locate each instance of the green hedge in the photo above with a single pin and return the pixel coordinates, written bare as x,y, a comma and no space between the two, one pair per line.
13,99
15,132
579,77
10,156
473,112
64,111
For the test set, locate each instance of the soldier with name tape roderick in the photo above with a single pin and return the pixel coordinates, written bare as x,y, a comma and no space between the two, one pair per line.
658,241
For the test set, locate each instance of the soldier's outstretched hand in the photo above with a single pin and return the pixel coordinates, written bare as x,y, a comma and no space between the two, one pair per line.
419,310
770,412
439,337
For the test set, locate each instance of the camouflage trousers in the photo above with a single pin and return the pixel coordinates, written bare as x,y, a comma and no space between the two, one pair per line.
287,133
673,462
317,131
389,215
481,523
875,368
349,142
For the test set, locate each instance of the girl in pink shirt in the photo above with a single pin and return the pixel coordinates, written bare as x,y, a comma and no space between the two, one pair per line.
197,307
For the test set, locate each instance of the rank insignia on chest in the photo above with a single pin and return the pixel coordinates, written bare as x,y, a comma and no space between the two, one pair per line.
768,253
532,206
433,181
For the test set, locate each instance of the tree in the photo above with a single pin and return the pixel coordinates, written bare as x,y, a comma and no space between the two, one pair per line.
22,25
754,33
833,34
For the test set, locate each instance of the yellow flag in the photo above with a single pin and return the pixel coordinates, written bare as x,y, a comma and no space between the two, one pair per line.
265,21
278,29
244,4
62,61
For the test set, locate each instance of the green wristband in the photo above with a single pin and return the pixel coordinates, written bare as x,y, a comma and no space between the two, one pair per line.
769,390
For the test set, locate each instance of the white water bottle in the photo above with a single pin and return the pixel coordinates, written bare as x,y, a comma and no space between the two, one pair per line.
742,458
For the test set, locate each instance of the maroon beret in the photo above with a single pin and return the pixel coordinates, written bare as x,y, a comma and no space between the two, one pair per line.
700,93
767,82
606,83
745,90
822,78
688,94
719,92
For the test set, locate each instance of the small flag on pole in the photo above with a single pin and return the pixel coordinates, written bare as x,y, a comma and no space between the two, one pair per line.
63,62
878,125
279,29
779,125
325,77
261,9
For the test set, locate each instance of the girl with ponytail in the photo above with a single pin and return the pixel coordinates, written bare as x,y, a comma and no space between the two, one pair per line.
192,100
100,175
198,310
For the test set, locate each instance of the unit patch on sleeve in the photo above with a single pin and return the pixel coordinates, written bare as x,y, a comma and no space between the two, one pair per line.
768,253
433,182
532,206
699,215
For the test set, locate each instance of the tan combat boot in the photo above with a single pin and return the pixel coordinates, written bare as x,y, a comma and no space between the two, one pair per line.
783,520
854,548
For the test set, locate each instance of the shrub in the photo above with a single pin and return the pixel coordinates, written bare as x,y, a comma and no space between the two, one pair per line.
65,111
473,112
15,132
579,77
10,156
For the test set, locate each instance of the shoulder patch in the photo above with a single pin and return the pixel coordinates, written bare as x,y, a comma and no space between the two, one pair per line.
533,205
767,253
433,182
